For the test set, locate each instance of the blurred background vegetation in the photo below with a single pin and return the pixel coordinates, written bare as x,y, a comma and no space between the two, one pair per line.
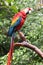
33,30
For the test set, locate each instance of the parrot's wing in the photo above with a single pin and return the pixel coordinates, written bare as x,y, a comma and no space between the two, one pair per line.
13,26
16,22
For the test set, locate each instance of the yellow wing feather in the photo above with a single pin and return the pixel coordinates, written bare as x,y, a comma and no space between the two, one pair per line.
14,20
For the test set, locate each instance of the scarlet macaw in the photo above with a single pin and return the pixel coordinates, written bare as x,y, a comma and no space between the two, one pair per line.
18,20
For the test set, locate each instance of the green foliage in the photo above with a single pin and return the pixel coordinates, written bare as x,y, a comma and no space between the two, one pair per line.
32,28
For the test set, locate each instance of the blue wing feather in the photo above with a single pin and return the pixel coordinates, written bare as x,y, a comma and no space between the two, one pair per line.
13,27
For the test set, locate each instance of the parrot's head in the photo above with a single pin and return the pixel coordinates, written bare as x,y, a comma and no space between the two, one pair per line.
28,10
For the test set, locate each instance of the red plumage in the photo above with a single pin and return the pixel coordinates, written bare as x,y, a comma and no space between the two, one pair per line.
21,14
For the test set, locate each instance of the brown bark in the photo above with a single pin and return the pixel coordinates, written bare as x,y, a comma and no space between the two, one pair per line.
28,45
21,35
32,47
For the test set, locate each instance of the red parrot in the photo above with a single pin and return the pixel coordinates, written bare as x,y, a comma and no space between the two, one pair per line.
18,21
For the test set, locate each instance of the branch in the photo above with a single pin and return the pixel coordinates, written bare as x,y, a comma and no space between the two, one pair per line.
32,47
22,36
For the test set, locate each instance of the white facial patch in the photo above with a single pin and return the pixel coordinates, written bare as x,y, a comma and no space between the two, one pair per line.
26,10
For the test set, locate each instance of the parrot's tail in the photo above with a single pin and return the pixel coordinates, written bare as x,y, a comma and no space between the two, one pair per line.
10,31
10,54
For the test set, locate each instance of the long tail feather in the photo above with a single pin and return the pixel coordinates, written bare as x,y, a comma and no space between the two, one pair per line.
10,51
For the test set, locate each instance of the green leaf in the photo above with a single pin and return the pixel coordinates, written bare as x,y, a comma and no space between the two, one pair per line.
14,9
9,1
